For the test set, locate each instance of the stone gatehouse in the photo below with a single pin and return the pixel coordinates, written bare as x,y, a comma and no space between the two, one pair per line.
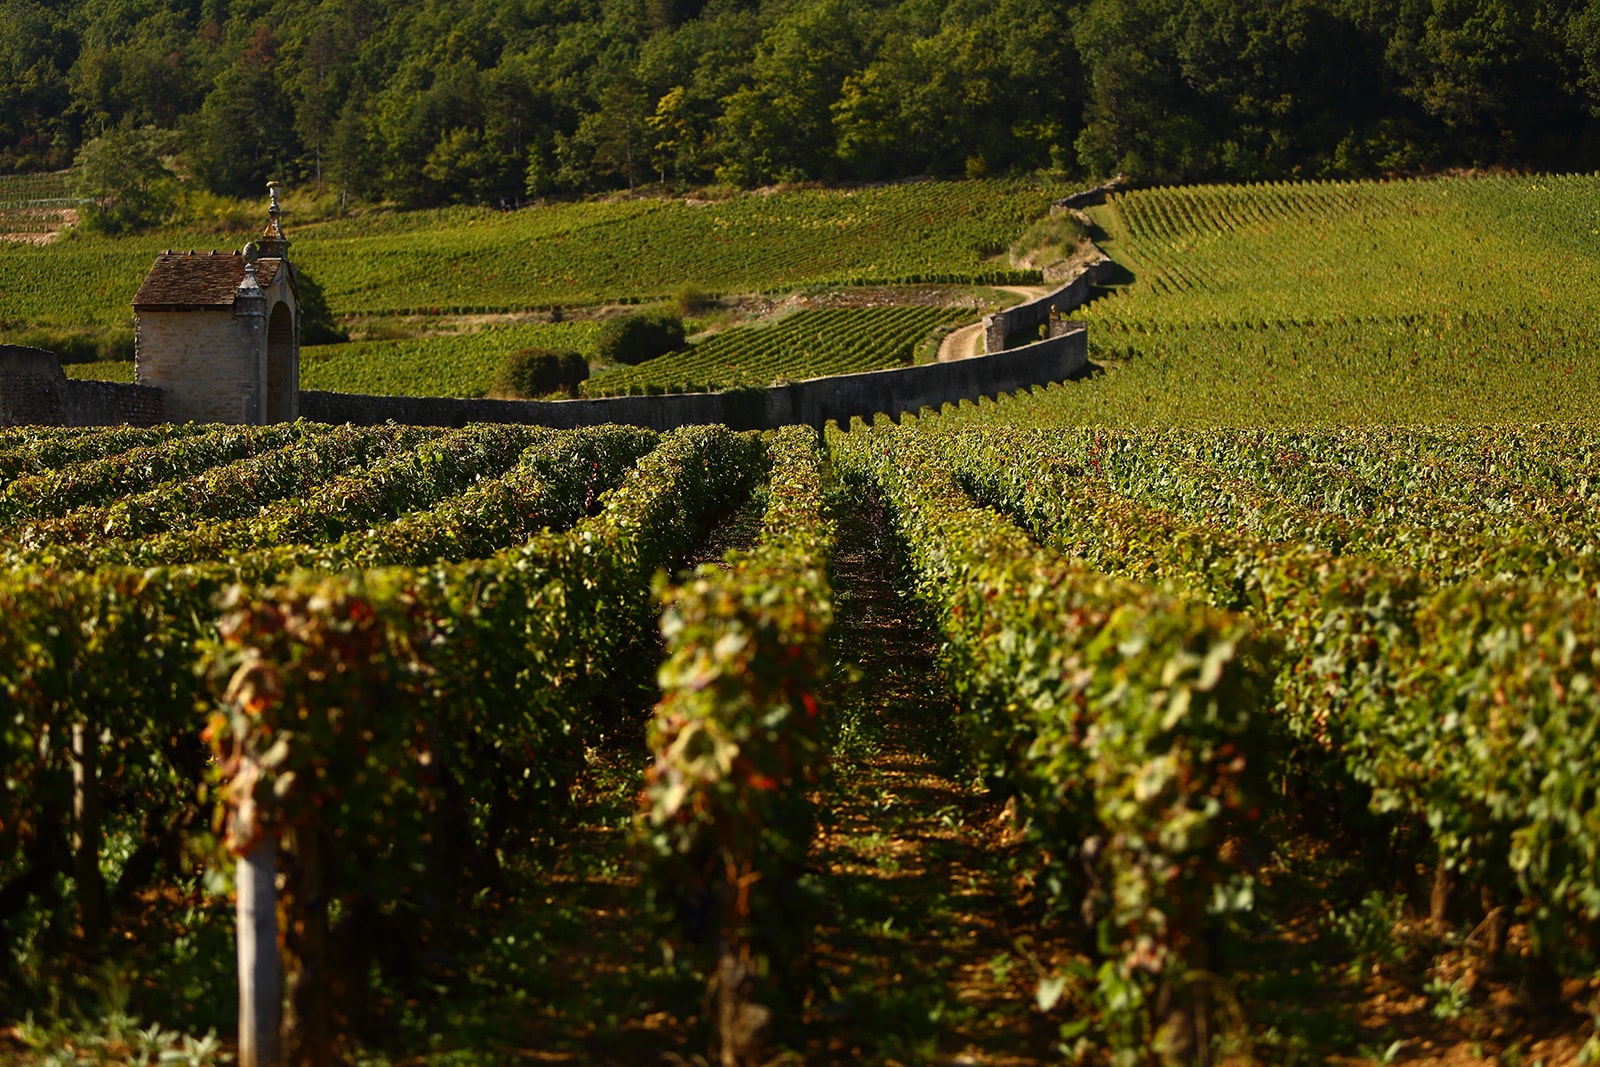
219,332
217,339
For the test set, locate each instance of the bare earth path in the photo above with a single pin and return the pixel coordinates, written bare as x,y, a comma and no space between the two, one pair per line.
968,340
924,946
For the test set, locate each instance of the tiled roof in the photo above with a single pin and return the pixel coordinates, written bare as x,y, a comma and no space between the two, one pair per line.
198,280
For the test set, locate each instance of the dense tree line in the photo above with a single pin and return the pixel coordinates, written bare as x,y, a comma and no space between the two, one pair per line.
433,101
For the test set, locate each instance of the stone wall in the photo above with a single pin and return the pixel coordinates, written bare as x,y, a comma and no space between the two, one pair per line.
1091,197
999,327
91,403
812,402
32,387
35,392
205,364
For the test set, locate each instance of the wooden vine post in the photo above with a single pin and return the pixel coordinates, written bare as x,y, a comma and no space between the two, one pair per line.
86,828
260,971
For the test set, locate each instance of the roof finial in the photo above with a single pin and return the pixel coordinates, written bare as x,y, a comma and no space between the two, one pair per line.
274,245
250,286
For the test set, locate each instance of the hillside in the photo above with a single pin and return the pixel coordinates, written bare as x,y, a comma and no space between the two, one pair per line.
460,101
1233,703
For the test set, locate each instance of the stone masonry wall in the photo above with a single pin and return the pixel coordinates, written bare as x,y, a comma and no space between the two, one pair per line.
203,365
1091,197
91,403
812,402
32,387
997,328
205,372
34,391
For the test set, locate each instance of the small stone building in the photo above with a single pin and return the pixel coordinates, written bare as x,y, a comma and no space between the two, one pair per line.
219,332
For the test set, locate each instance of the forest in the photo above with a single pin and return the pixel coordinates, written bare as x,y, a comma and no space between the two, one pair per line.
493,102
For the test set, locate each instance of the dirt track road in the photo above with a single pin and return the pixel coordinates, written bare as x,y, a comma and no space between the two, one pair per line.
967,341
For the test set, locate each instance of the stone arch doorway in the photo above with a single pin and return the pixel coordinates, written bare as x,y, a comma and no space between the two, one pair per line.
282,378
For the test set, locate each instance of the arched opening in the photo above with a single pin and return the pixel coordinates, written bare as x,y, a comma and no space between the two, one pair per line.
282,379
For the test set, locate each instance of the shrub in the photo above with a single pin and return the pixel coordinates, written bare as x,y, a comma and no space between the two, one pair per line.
642,335
1049,239
691,299
532,372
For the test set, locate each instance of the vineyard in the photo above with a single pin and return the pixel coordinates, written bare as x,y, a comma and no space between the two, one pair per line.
1236,703
808,344
925,232
460,364
474,261
34,204
1158,634
31,220
25,190
1337,304
105,370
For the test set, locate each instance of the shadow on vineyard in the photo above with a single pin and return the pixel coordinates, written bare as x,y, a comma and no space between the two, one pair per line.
563,964
926,946
1330,968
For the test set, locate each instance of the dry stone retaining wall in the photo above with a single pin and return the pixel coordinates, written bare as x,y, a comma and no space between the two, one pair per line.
812,402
